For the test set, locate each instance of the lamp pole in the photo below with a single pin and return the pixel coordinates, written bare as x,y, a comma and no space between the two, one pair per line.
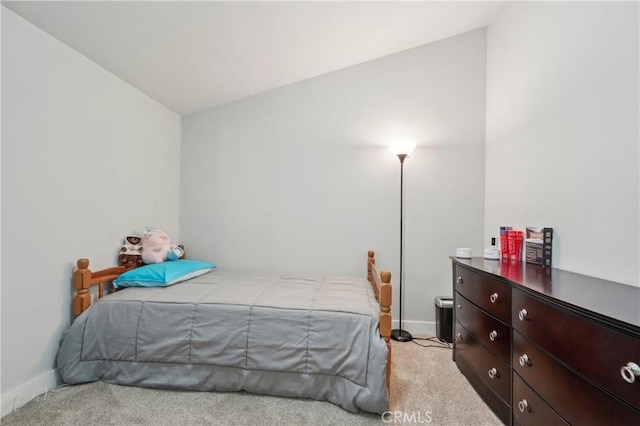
401,335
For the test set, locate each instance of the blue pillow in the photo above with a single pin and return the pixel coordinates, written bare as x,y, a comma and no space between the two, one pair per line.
162,274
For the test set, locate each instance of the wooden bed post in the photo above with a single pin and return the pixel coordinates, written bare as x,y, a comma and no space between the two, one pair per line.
82,282
385,318
381,283
371,261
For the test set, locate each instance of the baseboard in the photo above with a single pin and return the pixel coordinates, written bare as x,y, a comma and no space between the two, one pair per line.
16,398
416,327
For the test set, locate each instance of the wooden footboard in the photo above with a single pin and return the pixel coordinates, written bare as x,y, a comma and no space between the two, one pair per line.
381,283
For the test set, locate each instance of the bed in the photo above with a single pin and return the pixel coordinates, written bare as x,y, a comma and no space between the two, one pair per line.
305,336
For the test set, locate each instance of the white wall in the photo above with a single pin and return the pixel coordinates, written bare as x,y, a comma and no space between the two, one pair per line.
300,179
86,159
563,131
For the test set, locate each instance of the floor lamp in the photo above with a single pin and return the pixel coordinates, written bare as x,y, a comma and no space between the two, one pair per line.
402,148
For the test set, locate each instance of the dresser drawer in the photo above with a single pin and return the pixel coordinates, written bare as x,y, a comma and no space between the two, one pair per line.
492,333
493,372
574,398
501,408
590,348
490,294
530,409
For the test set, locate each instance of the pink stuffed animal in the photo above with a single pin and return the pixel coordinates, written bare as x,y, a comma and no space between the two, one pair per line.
156,247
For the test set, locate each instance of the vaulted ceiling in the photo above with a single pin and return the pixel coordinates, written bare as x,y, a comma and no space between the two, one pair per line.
190,56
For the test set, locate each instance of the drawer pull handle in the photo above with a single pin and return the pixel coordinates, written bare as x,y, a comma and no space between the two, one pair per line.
458,337
459,306
494,298
493,335
523,405
493,373
460,280
524,360
630,371
523,314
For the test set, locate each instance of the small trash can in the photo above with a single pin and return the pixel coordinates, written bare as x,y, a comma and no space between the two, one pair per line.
444,318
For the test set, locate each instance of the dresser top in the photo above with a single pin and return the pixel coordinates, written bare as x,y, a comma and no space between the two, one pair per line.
616,301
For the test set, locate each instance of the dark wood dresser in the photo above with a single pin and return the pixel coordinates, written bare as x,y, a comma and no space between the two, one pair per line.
543,346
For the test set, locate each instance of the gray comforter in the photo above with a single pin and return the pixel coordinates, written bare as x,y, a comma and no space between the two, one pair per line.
292,335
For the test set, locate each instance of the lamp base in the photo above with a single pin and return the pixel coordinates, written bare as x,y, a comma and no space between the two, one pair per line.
401,335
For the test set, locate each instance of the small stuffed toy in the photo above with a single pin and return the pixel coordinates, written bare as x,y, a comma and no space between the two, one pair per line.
156,247
130,251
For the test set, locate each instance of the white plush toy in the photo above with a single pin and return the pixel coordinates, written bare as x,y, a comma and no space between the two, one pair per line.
156,247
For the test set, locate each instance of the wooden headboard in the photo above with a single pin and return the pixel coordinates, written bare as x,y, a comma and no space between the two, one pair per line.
84,279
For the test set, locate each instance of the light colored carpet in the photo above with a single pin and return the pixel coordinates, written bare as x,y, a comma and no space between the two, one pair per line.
427,388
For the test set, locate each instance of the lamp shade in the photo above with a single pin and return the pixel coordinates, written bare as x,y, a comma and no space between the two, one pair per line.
402,146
